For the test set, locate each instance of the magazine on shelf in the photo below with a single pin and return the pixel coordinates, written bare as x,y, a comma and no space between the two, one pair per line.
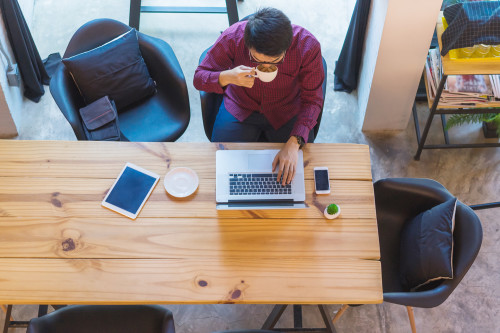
460,90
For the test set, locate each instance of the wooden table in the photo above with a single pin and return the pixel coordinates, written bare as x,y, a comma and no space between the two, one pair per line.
59,246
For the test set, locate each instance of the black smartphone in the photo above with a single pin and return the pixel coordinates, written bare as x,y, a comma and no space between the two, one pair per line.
321,180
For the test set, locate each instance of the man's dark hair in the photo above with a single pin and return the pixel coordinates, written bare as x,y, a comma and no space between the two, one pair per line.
269,32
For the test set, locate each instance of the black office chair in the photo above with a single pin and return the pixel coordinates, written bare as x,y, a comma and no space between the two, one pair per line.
210,103
161,117
399,199
105,319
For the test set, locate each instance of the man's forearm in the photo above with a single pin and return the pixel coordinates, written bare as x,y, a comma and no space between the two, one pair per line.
207,81
224,78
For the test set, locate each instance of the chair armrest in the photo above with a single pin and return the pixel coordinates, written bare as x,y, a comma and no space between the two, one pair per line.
68,99
422,299
165,69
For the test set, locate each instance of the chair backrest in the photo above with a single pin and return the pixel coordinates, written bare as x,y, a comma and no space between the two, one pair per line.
210,103
62,87
93,34
105,319
399,199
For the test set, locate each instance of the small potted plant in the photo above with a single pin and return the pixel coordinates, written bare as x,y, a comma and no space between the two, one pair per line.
491,122
332,211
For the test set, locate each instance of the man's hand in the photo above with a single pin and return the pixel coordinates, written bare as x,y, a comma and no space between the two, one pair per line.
242,76
286,161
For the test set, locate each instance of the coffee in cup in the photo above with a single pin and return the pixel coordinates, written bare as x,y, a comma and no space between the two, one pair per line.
266,74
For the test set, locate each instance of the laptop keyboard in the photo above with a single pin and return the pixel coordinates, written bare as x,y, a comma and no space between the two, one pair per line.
256,184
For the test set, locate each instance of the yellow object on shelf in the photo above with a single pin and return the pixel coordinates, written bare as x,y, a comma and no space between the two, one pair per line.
482,53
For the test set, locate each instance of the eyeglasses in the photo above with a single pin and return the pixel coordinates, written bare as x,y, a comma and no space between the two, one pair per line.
253,60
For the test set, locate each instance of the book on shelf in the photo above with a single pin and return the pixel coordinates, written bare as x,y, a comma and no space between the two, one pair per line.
460,90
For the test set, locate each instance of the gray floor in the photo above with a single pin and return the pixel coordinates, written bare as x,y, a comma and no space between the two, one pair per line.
473,175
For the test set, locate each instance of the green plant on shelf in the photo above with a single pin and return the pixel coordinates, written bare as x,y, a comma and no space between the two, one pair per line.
332,209
461,119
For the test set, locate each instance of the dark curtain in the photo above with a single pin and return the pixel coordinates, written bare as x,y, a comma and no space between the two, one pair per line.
28,59
347,66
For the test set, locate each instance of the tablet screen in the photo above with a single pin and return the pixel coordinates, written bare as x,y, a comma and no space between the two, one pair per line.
130,190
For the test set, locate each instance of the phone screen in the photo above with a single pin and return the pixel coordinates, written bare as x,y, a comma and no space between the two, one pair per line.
321,178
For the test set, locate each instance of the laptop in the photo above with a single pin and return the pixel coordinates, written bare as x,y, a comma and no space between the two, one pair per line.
245,181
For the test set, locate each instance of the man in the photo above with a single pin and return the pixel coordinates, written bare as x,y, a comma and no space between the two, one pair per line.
283,110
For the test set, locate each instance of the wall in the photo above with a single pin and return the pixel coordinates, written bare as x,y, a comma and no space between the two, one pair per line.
11,98
398,38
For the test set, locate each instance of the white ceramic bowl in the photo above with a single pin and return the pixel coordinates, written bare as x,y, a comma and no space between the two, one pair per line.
181,182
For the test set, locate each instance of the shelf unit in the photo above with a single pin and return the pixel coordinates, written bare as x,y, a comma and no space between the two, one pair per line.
454,67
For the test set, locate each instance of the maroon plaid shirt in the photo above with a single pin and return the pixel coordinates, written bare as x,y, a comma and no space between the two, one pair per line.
296,90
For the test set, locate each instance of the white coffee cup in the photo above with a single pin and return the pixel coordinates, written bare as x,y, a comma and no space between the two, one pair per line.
266,76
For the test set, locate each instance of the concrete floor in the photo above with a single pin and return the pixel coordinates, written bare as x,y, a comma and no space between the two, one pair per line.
473,175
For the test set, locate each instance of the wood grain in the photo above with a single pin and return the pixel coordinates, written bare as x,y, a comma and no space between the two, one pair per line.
59,246
86,159
185,238
68,197
194,281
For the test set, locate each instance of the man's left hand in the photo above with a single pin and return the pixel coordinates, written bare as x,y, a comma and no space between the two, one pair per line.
286,161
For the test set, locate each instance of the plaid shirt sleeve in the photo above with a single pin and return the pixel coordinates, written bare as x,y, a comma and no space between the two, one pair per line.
311,77
219,58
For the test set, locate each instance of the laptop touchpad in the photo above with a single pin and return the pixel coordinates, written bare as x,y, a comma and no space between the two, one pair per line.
260,162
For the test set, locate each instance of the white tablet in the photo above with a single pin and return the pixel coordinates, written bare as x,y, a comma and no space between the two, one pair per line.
130,190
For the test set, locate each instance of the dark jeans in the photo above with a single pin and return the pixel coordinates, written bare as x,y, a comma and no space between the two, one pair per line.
229,129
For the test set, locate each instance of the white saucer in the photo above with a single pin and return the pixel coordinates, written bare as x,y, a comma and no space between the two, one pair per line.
181,182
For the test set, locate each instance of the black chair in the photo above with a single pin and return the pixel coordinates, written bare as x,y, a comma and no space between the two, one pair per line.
11,323
162,117
399,199
210,103
105,319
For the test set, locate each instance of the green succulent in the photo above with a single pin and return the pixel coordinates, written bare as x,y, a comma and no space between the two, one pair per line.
332,209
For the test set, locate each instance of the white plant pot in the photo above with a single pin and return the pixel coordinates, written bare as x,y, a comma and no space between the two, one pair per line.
331,217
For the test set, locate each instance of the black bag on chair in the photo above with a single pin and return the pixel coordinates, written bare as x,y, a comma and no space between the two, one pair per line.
100,120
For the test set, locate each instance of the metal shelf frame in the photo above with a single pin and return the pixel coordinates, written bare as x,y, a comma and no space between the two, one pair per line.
422,137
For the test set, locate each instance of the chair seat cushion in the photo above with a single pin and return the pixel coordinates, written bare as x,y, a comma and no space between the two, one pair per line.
115,69
426,252
154,119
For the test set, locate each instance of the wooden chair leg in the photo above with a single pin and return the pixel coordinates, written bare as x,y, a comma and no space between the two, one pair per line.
339,313
4,308
412,319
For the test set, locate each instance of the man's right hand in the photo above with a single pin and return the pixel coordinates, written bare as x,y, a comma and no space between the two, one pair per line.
242,76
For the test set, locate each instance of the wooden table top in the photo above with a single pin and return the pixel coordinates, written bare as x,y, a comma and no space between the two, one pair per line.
59,246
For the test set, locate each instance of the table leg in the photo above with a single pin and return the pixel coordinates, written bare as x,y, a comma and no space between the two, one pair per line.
7,321
297,316
328,323
274,316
